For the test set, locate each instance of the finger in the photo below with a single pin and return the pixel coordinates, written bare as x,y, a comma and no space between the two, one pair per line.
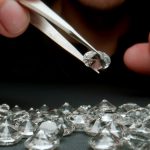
137,58
13,18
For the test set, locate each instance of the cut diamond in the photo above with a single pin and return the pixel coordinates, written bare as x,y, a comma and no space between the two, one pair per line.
40,141
27,128
106,106
8,134
104,141
96,60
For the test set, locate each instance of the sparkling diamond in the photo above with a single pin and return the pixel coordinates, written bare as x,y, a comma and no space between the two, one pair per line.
27,128
40,141
36,117
19,116
79,121
104,141
44,109
116,129
66,109
8,134
96,60
67,126
137,115
51,128
127,107
94,127
106,106
16,108
137,137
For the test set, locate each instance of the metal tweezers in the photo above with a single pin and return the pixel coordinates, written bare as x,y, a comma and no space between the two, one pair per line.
42,15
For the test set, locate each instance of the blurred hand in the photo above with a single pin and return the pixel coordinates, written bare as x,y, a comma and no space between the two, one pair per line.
137,58
14,19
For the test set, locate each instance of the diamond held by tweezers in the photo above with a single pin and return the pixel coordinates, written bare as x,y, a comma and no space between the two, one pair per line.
96,60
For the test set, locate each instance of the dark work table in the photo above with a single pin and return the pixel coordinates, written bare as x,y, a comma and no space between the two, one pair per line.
28,95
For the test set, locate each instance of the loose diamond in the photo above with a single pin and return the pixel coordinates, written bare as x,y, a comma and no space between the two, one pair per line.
40,141
51,128
66,109
27,128
8,134
96,60
94,127
106,106
104,141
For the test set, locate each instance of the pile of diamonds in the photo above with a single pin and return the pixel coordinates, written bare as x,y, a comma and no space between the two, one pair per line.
126,127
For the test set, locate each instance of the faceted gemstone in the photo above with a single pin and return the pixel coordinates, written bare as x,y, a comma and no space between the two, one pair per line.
106,106
127,107
94,127
4,110
51,128
19,117
107,117
44,109
96,60
16,108
68,126
104,141
53,115
83,109
79,121
137,115
8,134
40,141
146,123
116,129
27,128
36,117
66,109
137,137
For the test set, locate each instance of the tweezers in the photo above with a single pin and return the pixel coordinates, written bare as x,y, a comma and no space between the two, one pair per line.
43,18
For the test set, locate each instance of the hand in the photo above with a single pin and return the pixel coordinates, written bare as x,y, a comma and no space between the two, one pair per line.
14,19
137,57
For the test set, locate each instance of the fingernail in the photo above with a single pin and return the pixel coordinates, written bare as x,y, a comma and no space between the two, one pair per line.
13,17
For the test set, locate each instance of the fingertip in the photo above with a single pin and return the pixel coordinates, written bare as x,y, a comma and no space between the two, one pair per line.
137,58
14,19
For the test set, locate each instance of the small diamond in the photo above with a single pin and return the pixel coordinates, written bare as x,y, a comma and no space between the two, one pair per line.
8,134
51,128
27,128
16,108
104,141
106,106
96,60
94,127
127,107
67,126
66,109
44,109
79,121
40,141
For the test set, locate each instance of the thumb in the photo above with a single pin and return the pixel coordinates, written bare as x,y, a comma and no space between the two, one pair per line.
13,18
137,58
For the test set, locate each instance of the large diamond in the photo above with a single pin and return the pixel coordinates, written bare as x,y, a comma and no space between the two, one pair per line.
96,60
